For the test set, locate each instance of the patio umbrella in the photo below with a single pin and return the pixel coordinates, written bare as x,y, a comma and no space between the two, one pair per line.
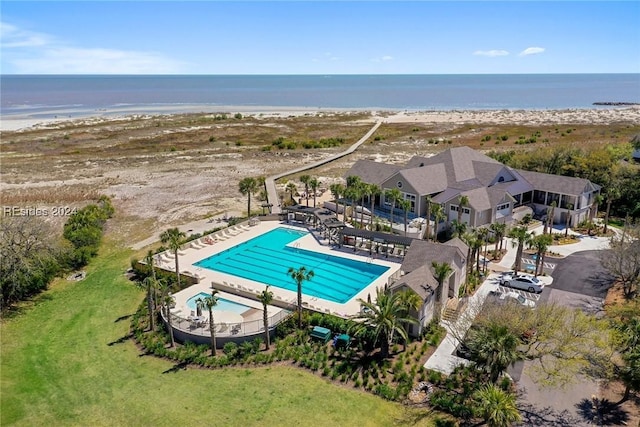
199,309
369,298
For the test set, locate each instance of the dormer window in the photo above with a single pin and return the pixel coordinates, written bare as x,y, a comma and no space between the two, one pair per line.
399,184
501,179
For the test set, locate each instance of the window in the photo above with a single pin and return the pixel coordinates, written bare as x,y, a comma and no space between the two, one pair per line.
501,179
399,184
466,211
503,206
454,208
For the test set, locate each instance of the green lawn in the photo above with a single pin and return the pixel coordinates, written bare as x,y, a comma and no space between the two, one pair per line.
66,361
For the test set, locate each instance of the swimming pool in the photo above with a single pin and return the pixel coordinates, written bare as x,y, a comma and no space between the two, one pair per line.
267,259
223,304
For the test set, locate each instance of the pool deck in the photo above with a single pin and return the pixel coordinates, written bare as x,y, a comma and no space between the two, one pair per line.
244,291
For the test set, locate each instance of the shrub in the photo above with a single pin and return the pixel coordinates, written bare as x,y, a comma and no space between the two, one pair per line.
386,391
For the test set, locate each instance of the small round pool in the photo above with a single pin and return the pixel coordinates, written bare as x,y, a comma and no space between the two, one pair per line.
223,304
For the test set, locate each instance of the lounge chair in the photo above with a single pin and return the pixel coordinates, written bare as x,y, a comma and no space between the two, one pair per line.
236,328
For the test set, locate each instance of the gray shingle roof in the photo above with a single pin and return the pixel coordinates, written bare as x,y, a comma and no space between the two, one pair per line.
372,172
557,183
420,280
422,251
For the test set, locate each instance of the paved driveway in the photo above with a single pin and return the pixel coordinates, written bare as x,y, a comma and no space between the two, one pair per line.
579,281
581,273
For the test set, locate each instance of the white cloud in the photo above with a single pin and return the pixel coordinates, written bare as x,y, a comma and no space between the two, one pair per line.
491,53
385,58
531,51
33,53
12,37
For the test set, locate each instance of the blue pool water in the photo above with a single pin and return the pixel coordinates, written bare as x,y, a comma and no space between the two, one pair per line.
267,259
223,304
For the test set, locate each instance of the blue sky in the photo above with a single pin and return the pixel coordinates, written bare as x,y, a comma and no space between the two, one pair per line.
304,37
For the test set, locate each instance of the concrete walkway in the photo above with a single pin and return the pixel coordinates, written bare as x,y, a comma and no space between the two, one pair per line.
270,182
444,359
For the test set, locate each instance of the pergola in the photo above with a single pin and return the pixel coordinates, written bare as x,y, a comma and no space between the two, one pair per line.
327,220
372,239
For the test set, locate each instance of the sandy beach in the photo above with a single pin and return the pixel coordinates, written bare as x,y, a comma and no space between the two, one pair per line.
597,115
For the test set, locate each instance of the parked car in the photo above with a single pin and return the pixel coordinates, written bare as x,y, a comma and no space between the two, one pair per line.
522,281
512,297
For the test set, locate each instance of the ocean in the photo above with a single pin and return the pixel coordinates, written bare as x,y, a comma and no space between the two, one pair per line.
43,96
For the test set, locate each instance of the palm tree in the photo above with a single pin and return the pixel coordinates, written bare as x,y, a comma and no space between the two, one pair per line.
247,186
405,205
483,236
393,195
409,301
151,283
314,184
363,188
167,302
493,349
352,194
498,229
541,243
469,239
292,189
373,190
548,224
438,216
613,194
300,275
306,179
337,190
173,239
597,200
520,235
209,302
568,222
458,228
496,407
265,297
427,233
441,271
385,316
463,203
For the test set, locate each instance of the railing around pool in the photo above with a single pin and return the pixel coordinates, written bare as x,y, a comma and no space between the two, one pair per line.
199,332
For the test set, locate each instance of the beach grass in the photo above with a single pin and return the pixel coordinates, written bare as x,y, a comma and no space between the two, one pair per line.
67,360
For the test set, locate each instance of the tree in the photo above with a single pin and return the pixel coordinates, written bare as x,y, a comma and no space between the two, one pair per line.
463,203
173,239
628,335
493,349
151,283
520,236
306,179
593,208
385,317
613,194
438,216
441,272
167,302
300,275
499,230
337,190
568,222
30,257
352,193
496,407
265,297
292,189
483,237
427,233
209,303
405,205
393,195
409,301
373,190
548,224
458,228
622,261
247,186
314,184
540,244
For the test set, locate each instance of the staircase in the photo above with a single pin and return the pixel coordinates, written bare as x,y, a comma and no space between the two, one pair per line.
452,310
